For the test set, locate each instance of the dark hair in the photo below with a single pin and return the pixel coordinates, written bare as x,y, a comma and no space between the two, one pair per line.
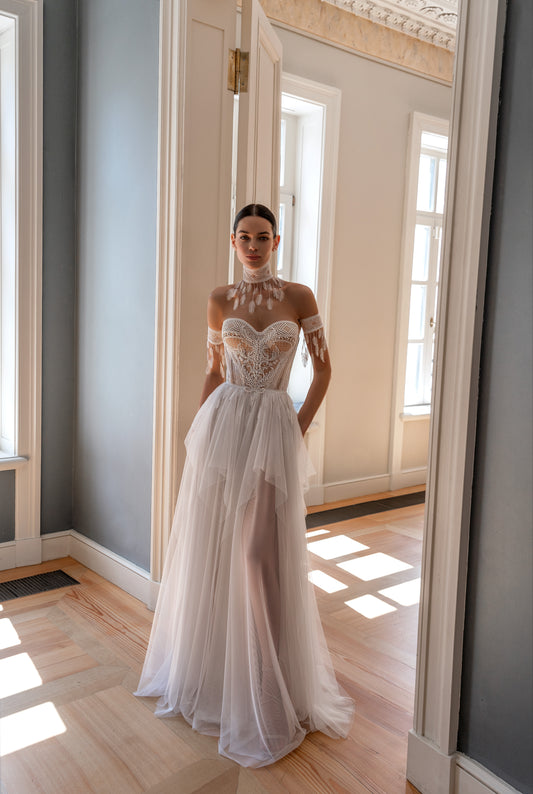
256,210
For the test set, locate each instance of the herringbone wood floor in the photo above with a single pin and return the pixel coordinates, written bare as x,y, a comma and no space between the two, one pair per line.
71,660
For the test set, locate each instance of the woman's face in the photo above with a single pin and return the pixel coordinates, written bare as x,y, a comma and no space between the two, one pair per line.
254,241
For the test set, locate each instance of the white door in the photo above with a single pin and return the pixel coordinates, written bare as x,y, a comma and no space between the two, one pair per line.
259,111
195,180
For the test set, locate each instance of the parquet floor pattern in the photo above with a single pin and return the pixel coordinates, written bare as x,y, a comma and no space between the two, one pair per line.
70,660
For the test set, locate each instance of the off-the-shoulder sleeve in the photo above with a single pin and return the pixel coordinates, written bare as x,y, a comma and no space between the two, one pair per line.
215,347
315,338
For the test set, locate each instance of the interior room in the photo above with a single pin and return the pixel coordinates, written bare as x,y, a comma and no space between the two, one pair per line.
104,336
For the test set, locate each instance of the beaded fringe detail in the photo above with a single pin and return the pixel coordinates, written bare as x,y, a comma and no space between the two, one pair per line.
257,285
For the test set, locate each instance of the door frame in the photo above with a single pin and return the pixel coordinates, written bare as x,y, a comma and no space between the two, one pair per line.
433,764
330,98
432,756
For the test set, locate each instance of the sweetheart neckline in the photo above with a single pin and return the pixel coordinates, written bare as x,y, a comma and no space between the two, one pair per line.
242,320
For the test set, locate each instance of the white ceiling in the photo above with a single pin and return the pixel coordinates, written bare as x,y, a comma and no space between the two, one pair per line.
432,22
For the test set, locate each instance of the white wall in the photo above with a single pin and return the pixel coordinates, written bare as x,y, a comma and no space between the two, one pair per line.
377,101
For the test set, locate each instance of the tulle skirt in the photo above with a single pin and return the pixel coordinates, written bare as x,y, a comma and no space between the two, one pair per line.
237,647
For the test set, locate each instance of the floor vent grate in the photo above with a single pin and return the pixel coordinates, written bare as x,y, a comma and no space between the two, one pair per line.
30,585
364,509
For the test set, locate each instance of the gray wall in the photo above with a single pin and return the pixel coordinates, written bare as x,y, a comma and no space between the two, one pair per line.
117,182
7,506
496,724
59,253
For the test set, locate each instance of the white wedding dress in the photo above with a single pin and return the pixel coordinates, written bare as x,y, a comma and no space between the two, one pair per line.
237,647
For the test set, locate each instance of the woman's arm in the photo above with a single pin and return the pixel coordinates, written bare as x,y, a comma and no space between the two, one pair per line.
304,302
214,374
317,390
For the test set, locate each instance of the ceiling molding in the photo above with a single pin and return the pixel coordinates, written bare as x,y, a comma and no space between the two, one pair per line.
434,23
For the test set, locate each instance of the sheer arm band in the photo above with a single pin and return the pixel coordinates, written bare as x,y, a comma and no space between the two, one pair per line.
315,338
215,346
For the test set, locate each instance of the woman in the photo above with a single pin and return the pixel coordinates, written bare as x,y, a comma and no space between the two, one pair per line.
236,646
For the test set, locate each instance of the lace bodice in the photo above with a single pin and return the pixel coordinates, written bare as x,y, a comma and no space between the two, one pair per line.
259,359
263,359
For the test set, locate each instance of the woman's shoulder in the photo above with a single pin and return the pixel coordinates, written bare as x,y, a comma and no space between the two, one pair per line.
302,298
219,296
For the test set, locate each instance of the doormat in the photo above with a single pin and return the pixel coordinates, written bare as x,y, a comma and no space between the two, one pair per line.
364,509
30,585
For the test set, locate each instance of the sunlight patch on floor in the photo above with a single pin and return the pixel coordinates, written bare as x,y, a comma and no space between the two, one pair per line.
373,566
28,727
339,546
18,674
314,532
326,582
369,606
405,594
8,634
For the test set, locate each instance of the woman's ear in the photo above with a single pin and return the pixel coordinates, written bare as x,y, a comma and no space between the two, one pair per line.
276,243
233,240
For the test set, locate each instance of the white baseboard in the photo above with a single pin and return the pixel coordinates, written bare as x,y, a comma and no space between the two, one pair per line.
472,778
348,489
106,563
432,772
116,569
8,556
27,551
408,477
429,770
55,545
366,486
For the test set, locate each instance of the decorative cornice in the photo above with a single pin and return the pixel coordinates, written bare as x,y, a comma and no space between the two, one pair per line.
434,23
341,27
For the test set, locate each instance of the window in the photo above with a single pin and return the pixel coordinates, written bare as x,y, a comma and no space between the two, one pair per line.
301,166
429,149
8,234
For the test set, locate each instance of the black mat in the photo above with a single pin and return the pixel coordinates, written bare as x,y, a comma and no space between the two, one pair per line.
39,583
364,509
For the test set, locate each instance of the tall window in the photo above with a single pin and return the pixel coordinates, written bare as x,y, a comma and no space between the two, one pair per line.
301,164
431,154
8,232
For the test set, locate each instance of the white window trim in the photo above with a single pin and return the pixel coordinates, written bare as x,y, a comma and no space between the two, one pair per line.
330,97
28,15
399,415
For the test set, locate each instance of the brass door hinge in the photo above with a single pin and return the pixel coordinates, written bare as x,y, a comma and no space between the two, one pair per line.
237,71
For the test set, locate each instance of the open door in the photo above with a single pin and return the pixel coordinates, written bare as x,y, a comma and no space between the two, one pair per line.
195,184
259,111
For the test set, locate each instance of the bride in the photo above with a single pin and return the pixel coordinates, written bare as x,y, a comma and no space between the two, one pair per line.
237,647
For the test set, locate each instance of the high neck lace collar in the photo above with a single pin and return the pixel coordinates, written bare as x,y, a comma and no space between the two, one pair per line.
255,275
256,284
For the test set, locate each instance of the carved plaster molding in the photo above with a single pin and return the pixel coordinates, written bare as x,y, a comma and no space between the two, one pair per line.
434,23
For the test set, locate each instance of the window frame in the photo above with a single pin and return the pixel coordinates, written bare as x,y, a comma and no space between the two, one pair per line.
26,460
419,122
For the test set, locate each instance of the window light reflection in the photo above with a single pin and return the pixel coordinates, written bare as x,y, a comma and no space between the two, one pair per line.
373,566
8,634
18,674
369,606
338,546
406,594
327,583
28,727
314,532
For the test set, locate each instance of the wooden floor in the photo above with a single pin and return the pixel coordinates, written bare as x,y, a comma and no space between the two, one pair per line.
70,661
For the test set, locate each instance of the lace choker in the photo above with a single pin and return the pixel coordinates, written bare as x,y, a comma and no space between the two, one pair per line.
256,284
